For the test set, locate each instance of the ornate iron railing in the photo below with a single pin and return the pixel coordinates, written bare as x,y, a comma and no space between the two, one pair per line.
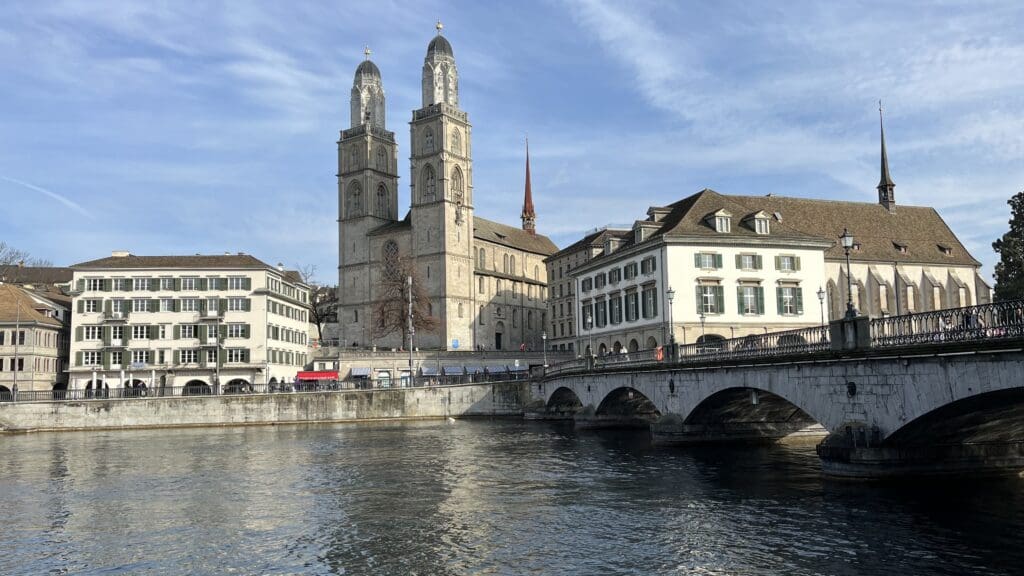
982,322
788,343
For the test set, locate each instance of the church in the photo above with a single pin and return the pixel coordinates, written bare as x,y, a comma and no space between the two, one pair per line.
482,282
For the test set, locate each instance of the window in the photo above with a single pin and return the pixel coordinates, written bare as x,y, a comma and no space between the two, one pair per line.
189,356
615,309
722,224
211,356
189,304
457,187
116,333
429,183
962,297
498,286
790,300
140,356
166,305
118,306
236,283
93,332
92,306
480,316
140,305
750,299
140,284
480,284
94,284
937,297
167,283
238,304
748,262
586,315
163,331
710,299
883,298
383,207
140,332
911,306
91,359
456,141
648,265
504,263
632,306
115,358
588,284
649,303
189,331
614,275
630,271
354,200
460,309
236,355
787,263
600,280
761,225
188,283
236,330
601,313
382,159
428,141
481,259
707,261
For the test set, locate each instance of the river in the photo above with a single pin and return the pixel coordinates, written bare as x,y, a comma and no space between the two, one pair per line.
476,497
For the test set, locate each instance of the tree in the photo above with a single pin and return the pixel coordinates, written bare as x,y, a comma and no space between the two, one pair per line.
11,258
323,305
1010,268
391,310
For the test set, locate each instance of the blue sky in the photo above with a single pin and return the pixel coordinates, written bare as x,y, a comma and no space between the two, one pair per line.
182,127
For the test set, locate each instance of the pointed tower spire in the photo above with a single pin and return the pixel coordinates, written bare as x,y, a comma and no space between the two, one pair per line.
529,216
886,195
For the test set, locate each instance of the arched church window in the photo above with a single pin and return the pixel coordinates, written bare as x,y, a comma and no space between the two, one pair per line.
504,263
457,185
460,309
355,200
481,260
353,156
382,159
456,141
512,265
428,141
429,183
391,260
480,318
480,288
536,272
383,210
529,318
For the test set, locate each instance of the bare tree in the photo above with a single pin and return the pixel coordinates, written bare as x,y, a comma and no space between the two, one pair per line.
11,257
323,304
391,311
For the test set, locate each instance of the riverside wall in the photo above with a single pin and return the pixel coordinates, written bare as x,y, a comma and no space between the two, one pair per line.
472,400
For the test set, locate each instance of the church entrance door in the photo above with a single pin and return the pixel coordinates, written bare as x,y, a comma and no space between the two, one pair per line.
497,335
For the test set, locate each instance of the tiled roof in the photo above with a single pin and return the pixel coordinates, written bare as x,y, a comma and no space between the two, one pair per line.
197,261
593,239
879,232
16,304
689,217
403,224
35,275
512,237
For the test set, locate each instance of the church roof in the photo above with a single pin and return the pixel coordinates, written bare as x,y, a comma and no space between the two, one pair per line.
368,67
512,237
440,45
911,234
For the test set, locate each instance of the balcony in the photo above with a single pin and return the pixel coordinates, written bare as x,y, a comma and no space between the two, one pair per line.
115,316
210,342
214,315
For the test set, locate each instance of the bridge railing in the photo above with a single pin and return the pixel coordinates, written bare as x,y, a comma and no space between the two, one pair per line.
981,322
789,342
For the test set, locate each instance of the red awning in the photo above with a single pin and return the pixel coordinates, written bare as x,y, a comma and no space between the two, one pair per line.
323,375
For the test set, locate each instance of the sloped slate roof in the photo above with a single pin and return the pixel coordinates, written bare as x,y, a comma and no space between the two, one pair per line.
36,275
12,298
688,217
402,224
877,230
512,237
594,239
197,261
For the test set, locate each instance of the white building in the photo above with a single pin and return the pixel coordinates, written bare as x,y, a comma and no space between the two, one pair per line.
202,322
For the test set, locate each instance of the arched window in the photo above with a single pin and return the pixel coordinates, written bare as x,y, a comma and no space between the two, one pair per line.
457,187
460,309
529,318
353,156
480,318
429,183
391,259
497,286
512,265
481,260
383,210
456,141
355,200
428,141
382,159
504,263
536,272
480,288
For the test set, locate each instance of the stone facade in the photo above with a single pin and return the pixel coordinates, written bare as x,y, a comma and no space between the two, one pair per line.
485,281
33,341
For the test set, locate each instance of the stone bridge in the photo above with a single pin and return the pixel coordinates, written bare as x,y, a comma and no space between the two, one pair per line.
927,402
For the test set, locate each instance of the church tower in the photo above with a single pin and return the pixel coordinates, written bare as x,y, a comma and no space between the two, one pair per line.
886,193
442,198
367,196
529,215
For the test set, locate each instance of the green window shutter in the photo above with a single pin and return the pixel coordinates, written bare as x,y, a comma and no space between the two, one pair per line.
81,306
720,299
107,306
696,260
778,300
223,331
246,331
126,284
248,305
177,305
778,262
202,305
760,300
152,305
739,299
177,331
107,284
739,261
223,304
106,335
245,355
154,332
78,358
201,284
106,360
127,335
81,285
799,300
154,284
78,334
700,303
222,356
247,284
177,354
177,284
718,261
757,263
796,262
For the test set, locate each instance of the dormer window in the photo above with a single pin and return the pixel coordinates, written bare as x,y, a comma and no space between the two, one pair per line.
761,225
722,224
900,247
946,250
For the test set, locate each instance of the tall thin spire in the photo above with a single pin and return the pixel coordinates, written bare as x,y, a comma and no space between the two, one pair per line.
529,216
886,195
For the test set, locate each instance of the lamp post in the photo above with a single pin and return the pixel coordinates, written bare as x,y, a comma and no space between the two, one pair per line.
847,241
670,294
821,301
703,318
544,339
412,328
588,323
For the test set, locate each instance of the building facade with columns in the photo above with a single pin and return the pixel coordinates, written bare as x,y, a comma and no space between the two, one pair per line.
208,323
484,281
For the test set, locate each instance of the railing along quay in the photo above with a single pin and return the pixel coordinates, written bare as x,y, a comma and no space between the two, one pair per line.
983,322
132,393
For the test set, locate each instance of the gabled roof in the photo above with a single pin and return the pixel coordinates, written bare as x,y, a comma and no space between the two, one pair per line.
17,304
877,230
512,237
35,275
689,218
132,261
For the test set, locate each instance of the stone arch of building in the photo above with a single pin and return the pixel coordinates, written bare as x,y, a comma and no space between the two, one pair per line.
652,343
196,388
238,386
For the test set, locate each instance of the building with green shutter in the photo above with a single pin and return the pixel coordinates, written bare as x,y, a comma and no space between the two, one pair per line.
186,324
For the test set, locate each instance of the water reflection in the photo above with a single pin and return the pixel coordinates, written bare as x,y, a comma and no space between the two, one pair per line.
476,497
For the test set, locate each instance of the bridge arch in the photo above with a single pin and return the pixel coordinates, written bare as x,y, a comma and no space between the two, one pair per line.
563,402
994,416
746,413
627,402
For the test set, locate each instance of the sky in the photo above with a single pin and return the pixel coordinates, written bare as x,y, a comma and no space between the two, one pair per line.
177,127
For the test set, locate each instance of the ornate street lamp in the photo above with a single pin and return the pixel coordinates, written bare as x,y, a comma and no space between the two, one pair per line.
847,241
670,294
544,339
821,301
588,323
703,340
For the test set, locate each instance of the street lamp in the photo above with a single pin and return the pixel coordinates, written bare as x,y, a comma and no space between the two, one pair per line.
847,241
588,323
670,294
821,301
544,339
703,318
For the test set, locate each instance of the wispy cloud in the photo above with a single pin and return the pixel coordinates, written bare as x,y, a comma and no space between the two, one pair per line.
51,194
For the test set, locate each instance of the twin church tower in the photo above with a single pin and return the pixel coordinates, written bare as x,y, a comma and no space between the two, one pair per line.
485,281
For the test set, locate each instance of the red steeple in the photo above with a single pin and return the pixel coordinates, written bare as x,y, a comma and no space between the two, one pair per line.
529,216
